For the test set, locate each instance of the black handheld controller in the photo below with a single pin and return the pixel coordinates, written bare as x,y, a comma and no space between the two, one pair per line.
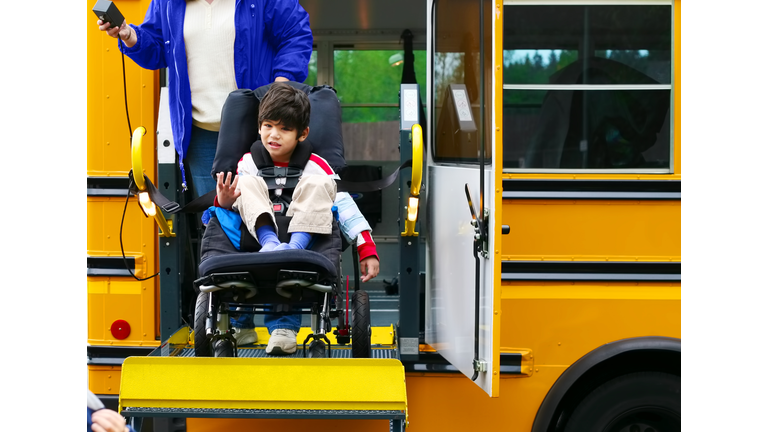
108,13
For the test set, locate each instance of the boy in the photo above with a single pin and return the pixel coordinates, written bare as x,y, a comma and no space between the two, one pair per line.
284,125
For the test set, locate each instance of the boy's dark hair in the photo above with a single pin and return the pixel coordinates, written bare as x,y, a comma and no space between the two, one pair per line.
285,104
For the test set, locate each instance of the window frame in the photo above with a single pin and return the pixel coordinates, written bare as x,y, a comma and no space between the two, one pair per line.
592,87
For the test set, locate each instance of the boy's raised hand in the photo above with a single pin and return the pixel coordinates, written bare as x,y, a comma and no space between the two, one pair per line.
226,190
369,268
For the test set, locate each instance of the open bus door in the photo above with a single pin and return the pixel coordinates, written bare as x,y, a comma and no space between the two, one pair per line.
463,183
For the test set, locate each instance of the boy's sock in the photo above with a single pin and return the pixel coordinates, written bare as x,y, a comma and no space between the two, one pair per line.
267,238
299,240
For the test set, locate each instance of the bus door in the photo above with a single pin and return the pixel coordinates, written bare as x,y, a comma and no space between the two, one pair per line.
463,213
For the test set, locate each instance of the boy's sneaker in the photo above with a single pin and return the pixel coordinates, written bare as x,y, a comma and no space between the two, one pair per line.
245,336
282,342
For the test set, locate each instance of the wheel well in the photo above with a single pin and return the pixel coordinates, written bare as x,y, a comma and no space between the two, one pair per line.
642,360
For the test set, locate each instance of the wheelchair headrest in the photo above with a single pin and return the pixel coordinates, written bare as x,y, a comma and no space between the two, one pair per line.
240,126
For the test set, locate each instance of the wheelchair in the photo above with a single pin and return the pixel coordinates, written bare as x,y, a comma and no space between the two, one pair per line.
244,281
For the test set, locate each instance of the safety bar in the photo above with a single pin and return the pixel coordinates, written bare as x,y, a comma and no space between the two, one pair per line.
150,209
412,212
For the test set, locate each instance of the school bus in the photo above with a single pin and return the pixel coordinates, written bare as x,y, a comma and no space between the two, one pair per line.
540,287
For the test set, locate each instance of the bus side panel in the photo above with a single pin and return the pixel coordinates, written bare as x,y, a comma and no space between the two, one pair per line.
104,379
562,321
112,298
436,402
120,298
588,230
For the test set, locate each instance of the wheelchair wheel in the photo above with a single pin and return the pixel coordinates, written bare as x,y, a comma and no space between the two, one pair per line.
361,325
223,348
316,349
202,346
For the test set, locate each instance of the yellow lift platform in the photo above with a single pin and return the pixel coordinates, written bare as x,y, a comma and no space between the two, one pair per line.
172,382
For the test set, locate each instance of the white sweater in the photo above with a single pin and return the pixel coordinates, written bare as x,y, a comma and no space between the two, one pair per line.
209,39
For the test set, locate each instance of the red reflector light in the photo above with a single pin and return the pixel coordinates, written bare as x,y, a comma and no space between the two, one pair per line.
120,329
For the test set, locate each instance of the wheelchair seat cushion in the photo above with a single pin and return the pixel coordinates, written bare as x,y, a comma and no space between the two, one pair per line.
266,266
219,255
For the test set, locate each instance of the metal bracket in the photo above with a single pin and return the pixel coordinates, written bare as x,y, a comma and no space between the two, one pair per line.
479,365
486,215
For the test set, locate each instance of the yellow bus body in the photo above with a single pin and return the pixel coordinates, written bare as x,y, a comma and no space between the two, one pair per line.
556,322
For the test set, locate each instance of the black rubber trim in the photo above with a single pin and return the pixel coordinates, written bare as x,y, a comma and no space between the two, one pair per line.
108,186
592,189
110,266
593,358
110,401
597,270
263,413
509,364
114,356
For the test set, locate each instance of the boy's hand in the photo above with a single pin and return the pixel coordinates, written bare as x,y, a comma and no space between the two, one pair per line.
369,268
226,190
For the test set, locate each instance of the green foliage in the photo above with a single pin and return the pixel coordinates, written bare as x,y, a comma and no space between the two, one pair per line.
312,76
366,76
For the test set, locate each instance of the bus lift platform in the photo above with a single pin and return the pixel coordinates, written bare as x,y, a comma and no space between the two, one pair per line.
172,382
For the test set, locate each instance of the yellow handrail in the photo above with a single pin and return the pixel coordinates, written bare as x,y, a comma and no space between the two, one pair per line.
417,158
138,172
138,177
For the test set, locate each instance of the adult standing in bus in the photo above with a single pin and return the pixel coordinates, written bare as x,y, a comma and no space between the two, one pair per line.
212,47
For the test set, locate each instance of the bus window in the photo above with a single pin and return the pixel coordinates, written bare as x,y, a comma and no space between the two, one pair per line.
587,87
367,83
312,75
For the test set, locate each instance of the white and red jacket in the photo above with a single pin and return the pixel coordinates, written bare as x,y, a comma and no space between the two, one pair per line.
352,223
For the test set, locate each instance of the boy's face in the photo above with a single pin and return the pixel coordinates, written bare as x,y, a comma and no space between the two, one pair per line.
280,140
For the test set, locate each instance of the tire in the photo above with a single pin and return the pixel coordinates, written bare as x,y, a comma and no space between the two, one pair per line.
223,348
641,401
361,325
202,345
316,349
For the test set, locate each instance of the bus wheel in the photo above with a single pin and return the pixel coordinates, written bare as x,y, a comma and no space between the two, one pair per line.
641,401
202,345
361,325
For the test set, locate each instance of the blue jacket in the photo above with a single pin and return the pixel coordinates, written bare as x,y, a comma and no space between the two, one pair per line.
272,39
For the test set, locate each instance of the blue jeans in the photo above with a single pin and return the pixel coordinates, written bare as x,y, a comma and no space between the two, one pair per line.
199,160
271,321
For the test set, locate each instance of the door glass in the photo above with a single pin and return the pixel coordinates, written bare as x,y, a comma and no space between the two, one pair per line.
367,83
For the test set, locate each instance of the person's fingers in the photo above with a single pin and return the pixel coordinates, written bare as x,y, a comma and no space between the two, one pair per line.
229,179
234,182
108,421
364,270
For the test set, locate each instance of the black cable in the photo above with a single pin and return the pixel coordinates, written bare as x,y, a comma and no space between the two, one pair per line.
122,249
130,137
125,90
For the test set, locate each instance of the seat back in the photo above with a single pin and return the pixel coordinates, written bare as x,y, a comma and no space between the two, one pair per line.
240,126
